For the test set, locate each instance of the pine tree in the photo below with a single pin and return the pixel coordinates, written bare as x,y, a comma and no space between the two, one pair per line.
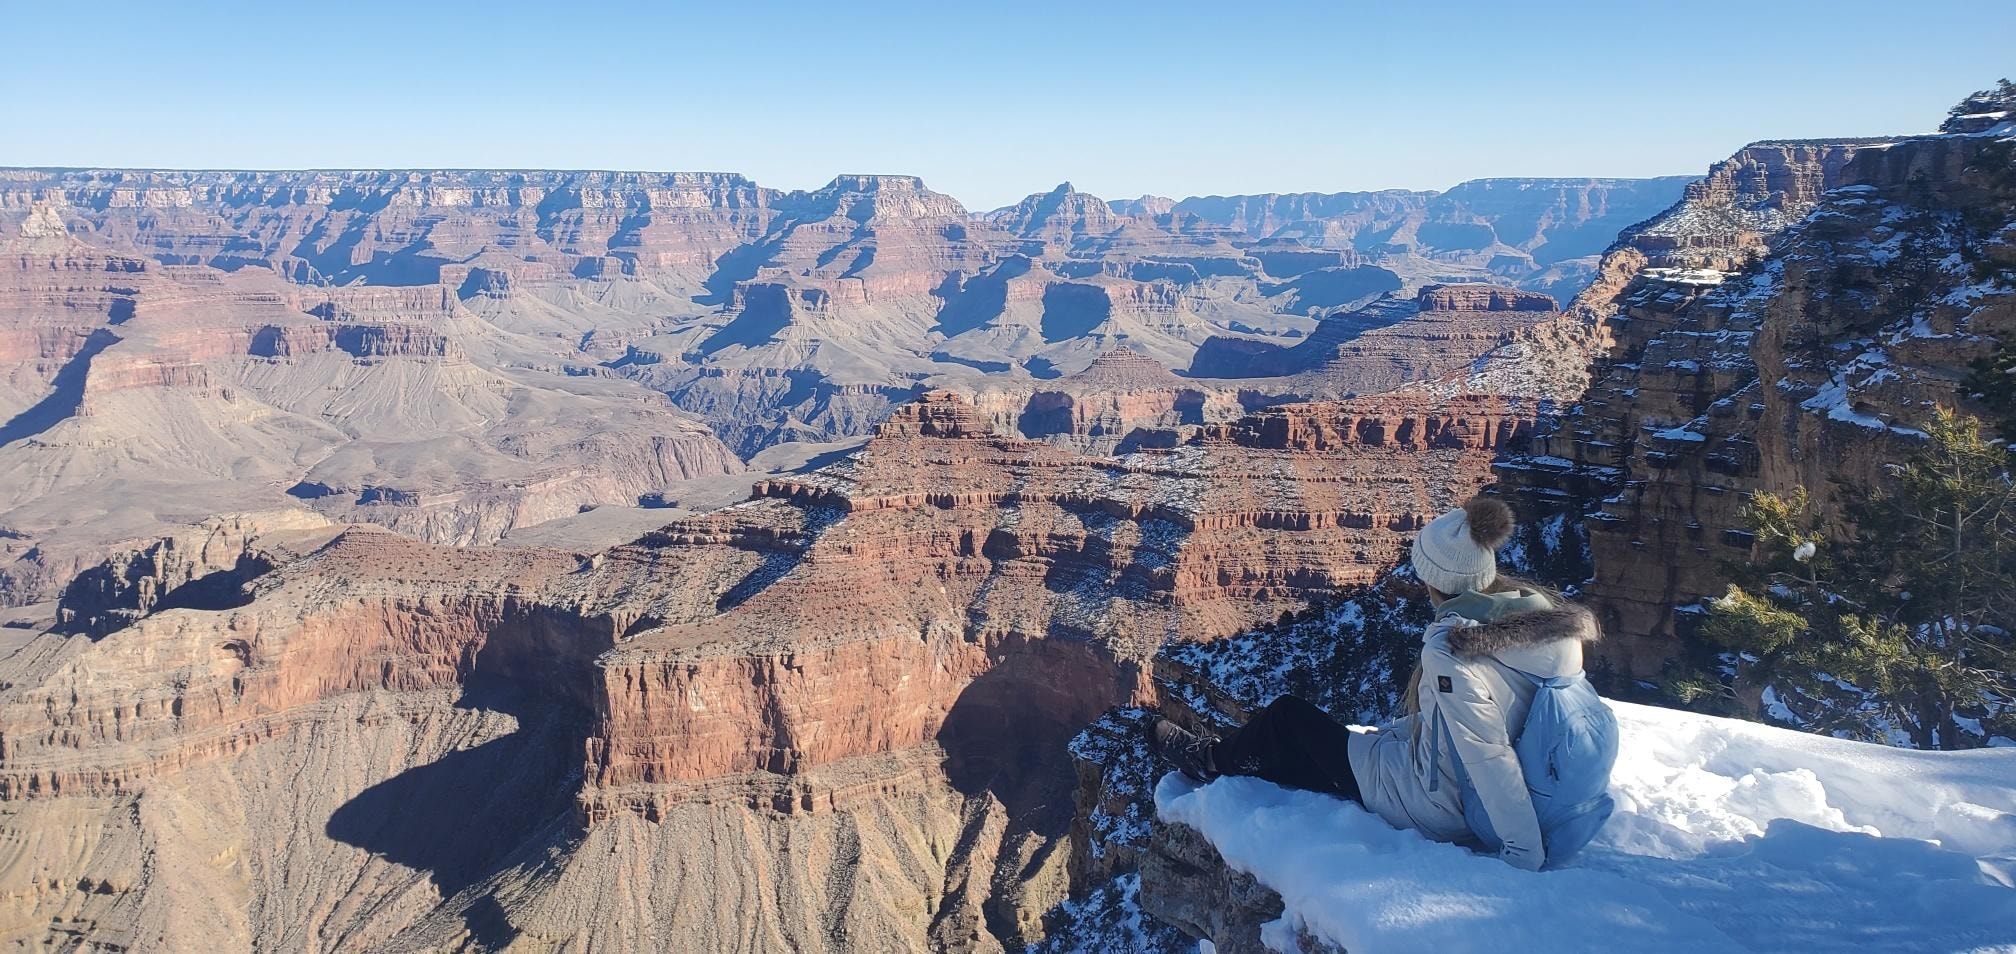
1896,624
1993,384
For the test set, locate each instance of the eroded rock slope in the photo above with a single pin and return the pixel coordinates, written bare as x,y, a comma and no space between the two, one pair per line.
833,713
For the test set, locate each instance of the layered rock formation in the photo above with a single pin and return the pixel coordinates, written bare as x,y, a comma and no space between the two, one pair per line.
1872,275
459,354
808,315
143,394
206,567
1546,234
758,713
406,227
1121,401
1720,223
1384,345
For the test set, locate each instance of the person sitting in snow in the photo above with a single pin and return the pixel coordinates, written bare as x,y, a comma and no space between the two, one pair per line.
1491,632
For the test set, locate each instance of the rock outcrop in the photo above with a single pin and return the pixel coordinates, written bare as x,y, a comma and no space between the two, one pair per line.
1122,401
206,567
1872,275
1060,218
1384,345
1721,222
1185,883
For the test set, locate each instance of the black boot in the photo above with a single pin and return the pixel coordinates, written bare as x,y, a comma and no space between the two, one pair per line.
1188,751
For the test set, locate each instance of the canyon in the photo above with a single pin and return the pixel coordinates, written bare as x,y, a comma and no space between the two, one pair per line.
483,560
463,354
978,598
851,690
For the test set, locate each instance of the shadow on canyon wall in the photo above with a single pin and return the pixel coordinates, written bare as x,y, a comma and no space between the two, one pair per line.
463,817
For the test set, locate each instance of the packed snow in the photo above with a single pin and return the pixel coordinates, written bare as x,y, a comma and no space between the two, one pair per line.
1728,836
1704,277
1678,434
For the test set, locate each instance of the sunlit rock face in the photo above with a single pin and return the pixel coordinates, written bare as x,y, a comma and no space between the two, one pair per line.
1789,324
857,684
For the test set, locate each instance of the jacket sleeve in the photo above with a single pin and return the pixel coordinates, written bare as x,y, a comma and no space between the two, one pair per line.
1478,733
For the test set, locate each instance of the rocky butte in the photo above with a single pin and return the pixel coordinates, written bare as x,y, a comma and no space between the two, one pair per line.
1385,344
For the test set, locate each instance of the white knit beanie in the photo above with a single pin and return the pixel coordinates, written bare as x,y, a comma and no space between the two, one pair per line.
1458,551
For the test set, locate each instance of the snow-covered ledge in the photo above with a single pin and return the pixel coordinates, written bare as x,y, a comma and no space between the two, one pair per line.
1729,836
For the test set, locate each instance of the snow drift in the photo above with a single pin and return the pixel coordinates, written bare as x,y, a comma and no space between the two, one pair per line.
1729,836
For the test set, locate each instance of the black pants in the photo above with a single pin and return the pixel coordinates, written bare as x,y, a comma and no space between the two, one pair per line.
1291,743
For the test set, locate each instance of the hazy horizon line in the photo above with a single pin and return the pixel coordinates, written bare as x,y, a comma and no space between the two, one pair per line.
830,182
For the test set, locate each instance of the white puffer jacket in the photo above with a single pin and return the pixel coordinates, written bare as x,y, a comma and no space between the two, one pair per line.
1471,660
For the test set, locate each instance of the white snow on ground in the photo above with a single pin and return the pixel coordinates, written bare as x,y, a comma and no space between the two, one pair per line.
1108,920
1678,434
1729,836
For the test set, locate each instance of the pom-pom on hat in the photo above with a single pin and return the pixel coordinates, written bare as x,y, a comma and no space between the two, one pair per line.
1458,551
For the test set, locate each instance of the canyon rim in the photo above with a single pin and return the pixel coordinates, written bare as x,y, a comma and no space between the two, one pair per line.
484,559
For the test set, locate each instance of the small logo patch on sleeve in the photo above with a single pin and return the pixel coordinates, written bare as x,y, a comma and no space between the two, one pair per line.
1442,684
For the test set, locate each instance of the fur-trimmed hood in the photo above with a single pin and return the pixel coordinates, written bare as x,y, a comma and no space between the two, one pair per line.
1560,621
1545,641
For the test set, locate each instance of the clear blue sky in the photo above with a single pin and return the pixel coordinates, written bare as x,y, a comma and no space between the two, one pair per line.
986,101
